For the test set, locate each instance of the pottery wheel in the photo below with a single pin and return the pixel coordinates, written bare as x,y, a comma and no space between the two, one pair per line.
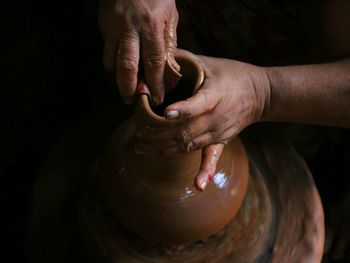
281,219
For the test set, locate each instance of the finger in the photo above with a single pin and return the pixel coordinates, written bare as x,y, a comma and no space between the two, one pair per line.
203,101
172,69
170,34
108,56
127,65
210,157
153,56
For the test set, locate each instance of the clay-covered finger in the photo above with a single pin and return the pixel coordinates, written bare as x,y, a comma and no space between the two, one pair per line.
154,57
201,102
127,65
210,157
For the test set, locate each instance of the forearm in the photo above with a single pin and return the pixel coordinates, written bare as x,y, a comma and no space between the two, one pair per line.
313,94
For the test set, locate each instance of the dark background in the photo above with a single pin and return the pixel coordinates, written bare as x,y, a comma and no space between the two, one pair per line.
50,74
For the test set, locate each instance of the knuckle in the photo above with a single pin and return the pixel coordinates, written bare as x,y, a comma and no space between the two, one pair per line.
126,37
149,20
183,136
186,109
186,134
171,39
212,135
155,62
128,66
229,134
120,16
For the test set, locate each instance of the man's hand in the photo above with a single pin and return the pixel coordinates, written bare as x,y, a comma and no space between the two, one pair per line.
134,31
233,96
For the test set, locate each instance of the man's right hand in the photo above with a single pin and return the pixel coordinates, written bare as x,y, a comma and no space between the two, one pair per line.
135,32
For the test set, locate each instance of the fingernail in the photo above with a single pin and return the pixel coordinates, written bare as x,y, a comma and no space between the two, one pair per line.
172,114
203,185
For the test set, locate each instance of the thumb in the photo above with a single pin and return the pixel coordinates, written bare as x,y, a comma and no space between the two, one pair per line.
204,100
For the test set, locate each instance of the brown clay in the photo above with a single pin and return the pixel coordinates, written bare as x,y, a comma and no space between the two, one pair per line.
154,196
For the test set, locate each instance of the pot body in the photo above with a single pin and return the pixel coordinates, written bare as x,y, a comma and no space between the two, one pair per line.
154,196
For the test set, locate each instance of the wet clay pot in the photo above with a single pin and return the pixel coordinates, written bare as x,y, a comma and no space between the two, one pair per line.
154,195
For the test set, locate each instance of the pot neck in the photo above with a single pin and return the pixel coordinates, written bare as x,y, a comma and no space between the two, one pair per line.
190,79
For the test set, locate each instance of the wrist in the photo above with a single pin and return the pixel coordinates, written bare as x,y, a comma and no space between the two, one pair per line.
263,91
